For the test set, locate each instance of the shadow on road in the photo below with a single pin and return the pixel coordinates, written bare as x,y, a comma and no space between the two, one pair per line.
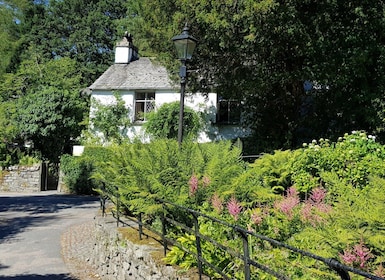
39,277
17,213
36,204
12,226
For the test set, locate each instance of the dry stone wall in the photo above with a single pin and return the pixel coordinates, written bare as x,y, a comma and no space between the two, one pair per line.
119,259
21,179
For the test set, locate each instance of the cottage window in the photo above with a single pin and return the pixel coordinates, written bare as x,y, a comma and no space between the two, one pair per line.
144,103
229,112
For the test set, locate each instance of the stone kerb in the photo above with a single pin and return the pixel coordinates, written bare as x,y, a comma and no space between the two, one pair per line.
21,178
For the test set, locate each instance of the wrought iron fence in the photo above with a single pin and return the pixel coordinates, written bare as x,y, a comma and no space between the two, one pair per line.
249,264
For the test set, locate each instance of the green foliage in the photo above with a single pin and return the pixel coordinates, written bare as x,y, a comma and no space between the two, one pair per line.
50,117
331,215
178,256
81,30
164,122
51,48
332,204
353,159
111,120
77,171
263,51
10,31
28,160
8,131
162,169
42,105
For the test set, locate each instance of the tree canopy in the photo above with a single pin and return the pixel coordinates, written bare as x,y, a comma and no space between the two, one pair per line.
262,52
258,52
49,52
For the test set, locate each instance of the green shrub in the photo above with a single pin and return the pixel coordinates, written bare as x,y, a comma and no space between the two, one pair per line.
28,160
164,122
162,169
111,120
77,171
327,198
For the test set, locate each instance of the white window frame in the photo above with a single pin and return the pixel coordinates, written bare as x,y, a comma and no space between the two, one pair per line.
143,104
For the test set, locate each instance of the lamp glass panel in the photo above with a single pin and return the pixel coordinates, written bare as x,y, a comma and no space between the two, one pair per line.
185,48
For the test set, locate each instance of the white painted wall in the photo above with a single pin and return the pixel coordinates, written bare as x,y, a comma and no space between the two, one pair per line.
198,102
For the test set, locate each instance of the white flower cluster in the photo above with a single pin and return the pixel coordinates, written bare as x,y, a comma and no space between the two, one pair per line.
372,137
358,134
316,145
353,137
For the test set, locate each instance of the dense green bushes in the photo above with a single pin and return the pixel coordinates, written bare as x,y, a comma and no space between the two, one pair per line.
327,198
143,172
77,171
16,157
164,122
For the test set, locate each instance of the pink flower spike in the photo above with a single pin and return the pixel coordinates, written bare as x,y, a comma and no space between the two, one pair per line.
318,195
193,183
292,192
306,212
362,253
287,204
348,257
256,218
216,201
234,208
206,181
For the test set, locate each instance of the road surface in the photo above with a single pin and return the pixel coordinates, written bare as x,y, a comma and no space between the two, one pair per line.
31,226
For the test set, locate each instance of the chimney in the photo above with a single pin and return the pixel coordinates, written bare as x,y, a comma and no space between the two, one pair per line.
125,51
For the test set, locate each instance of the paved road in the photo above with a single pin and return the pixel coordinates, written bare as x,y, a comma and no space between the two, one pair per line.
30,229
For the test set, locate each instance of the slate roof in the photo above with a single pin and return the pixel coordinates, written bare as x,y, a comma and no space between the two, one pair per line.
138,74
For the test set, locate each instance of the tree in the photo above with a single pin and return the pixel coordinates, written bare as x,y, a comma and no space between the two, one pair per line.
111,120
10,31
9,140
262,52
81,30
50,52
49,106
164,122
50,118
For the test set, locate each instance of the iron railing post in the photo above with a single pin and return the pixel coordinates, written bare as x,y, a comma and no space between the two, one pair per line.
117,207
198,244
103,200
164,232
140,226
246,254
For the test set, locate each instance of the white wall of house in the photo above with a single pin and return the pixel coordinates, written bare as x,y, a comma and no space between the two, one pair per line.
198,102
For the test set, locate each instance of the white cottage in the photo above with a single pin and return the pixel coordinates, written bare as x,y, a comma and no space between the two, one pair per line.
145,85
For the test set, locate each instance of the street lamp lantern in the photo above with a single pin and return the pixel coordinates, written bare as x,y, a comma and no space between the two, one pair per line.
185,45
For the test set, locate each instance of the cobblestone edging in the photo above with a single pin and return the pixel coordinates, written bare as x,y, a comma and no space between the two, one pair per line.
98,251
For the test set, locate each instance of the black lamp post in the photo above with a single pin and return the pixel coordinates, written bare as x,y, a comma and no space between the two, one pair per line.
185,45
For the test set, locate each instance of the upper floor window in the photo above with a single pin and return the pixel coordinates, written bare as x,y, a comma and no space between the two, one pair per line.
144,103
229,111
